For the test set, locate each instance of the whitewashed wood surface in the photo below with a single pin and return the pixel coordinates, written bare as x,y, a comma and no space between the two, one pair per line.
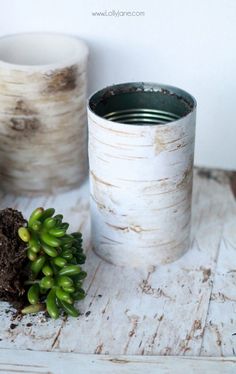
60,363
187,308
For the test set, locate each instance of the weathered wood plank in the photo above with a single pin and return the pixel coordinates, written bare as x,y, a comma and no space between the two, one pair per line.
20,361
220,331
160,312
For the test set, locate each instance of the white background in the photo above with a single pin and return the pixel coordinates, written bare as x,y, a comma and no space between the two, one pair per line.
187,43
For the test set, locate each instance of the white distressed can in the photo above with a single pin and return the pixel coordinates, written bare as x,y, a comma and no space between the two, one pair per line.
43,119
141,149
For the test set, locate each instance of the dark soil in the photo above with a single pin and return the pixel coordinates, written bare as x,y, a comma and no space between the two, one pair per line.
13,258
13,326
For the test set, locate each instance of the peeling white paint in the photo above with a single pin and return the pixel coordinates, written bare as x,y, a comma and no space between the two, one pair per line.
184,308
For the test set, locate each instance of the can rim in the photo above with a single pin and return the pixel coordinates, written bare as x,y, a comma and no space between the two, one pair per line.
79,54
141,87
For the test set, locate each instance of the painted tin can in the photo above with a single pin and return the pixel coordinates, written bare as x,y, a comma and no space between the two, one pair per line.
43,119
141,149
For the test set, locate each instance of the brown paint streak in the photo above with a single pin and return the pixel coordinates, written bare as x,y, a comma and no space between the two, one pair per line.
24,121
143,180
105,308
186,178
134,228
233,183
221,297
55,342
97,179
99,349
218,335
23,109
159,144
197,325
166,351
126,228
111,240
26,126
173,205
119,361
94,276
155,292
61,80
134,325
101,206
206,274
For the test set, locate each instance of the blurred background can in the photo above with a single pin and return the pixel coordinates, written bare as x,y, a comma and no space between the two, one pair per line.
43,124
141,150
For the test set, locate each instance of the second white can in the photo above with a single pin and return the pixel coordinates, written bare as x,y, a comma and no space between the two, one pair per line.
141,148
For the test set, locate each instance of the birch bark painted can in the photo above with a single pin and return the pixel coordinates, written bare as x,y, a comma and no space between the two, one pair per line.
43,119
141,150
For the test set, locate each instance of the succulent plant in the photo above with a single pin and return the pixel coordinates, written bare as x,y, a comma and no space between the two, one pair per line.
56,277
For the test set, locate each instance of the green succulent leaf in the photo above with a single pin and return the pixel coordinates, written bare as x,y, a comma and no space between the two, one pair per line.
54,256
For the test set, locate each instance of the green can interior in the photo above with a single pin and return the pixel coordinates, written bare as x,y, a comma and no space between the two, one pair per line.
141,103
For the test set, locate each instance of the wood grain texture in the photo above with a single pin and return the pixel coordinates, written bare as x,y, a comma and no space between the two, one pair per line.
186,308
21,361
220,330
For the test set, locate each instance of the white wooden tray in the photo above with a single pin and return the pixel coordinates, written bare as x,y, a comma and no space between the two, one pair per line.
187,308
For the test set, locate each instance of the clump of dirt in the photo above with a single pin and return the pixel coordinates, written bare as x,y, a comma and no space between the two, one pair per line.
13,258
